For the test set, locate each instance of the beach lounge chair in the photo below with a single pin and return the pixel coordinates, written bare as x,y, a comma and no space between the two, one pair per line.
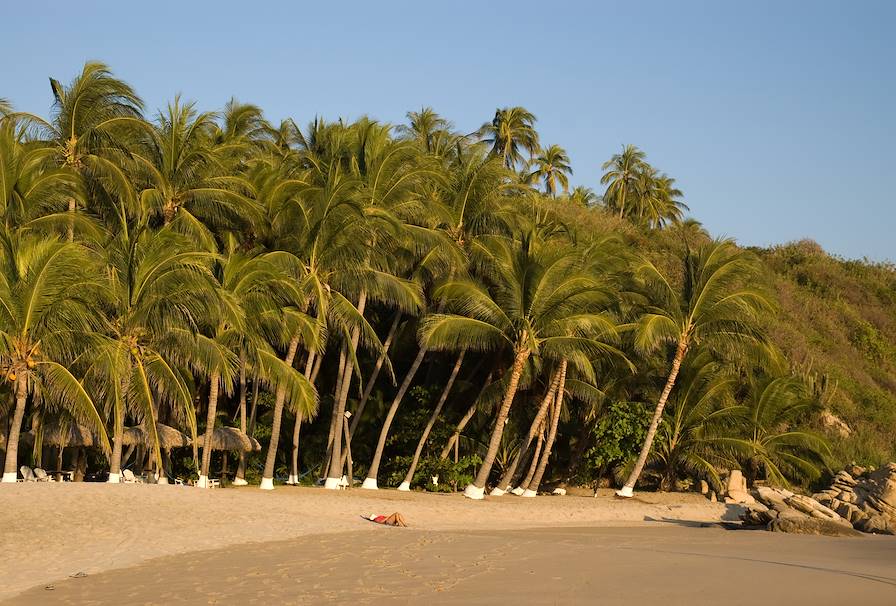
27,474
214,483
178,481
128,477
41,475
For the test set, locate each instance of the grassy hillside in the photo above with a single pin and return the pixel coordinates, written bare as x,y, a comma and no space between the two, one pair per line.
835,324
837,320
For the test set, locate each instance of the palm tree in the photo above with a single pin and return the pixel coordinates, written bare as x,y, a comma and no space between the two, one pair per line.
769,442
718,306
94,121
551,166
184,174
697,422
583,196
510,132
620,173
47,298
541,296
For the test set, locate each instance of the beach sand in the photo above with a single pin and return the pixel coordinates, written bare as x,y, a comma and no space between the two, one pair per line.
166,544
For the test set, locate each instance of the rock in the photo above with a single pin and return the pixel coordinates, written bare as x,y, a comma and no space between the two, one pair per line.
855,470
835,424
704,487
712,497
807,525
877,524
847,496
844,478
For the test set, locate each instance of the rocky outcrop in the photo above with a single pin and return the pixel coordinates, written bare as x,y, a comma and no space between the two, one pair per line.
736,489
867,498
857,500
780,510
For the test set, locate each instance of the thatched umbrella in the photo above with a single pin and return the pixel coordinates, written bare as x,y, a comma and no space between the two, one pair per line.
169,438
229,439
62,436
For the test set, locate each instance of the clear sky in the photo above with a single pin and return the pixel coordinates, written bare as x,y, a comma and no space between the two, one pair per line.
777,118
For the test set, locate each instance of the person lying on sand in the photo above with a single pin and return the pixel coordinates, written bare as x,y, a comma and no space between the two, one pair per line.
393,520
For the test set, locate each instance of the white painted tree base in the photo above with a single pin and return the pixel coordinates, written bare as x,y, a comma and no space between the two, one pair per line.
497,492
626,492
202,482
529,494
369,484
163,480
9,476
333,483
517,491
405,487
474,492
292,479
240,482
267,484
114,478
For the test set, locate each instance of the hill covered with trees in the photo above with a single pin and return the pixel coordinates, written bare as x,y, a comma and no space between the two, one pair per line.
404,302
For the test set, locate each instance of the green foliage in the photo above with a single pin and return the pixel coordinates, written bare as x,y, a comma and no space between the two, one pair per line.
617,435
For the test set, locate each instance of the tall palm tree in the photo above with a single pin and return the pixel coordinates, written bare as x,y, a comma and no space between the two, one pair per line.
510,132
47,298
184,174
94,119
542,303
620,173
551,166
718,305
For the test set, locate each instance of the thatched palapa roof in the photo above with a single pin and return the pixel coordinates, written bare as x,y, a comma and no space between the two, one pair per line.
65,435
169,437
230,438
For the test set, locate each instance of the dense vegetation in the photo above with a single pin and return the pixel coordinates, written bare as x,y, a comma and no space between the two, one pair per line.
409,302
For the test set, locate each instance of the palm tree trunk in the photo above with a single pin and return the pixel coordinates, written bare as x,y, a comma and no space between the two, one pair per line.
252,415
462,424
325,464
628,489
476,490
294,459
533,463
406,485
504,484
531,488
335,474
267,478
297,428
370,481
240,478
10,465
117,440
209,429
71,223
368,389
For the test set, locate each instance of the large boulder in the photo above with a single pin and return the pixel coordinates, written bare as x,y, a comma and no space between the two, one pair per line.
807,525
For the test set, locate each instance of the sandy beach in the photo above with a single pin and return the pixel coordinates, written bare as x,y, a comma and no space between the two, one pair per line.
167,544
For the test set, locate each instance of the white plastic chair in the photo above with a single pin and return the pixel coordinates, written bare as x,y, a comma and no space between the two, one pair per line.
129,478
41,475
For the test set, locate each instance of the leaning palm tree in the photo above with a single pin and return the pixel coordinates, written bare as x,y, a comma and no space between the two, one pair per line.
718,305
620,173
510,132
542,303
48,295
551,166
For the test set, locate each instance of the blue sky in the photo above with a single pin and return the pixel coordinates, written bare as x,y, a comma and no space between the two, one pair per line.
776,118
